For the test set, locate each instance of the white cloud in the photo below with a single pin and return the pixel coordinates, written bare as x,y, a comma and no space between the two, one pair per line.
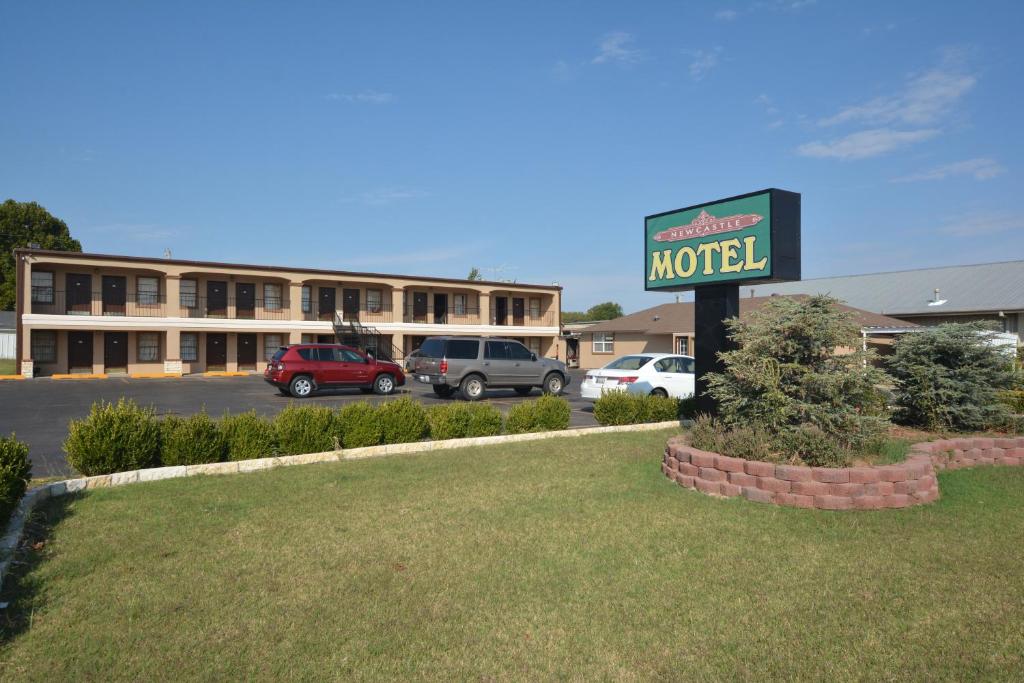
924,100
980,224
615,47
865,143
981,168
365,97
703,62
387,195
726,14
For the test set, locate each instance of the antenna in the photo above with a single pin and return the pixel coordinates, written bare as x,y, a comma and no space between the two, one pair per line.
167,253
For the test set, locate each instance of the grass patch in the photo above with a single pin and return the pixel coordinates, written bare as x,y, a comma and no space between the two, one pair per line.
8,366
549,559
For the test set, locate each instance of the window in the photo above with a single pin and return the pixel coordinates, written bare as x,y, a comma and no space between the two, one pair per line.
460,304
308,338
534,344
42,288
44,346
307,299
271,343
463,349
374,298
534,308
517,351
188,295
271,297
148,289
496,350
604,342
189,347
149,346
685,365
348,356
628,363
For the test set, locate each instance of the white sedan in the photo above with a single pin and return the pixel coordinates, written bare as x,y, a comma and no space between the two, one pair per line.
661,374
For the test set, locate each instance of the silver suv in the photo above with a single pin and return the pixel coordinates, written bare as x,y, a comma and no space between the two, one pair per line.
471,364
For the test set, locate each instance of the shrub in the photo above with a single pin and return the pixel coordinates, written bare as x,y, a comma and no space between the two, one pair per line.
785,373
307,429
248,436
113,438
547,413
1013,400
688,407
15,471
949,376
748,442
192,440
813,447
623,407
360,426
402,421
461,420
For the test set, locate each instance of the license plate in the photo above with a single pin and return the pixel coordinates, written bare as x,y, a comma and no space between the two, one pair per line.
599,380
423,378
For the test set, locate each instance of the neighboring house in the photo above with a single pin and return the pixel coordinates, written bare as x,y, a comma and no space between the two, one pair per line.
929,296
669,328
8,332
96,313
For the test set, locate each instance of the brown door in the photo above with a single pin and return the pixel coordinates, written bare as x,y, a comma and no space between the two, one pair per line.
80,351
327,303
216,351
326,339
419,307
247,351
440,309
79,294
115,350
245,300
350,303
216,299
114,296
518,311
501,311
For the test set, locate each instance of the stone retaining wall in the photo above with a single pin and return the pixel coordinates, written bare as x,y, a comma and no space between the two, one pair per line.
911,482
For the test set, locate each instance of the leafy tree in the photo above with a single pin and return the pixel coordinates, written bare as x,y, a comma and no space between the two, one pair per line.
605,311
799,371
474,274
20,224
949,376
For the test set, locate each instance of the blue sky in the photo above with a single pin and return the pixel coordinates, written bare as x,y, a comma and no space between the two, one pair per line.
528,139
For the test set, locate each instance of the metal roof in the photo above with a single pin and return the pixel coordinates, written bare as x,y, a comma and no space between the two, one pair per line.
981,288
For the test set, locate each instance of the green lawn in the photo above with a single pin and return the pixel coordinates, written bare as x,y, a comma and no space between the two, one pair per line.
8,366
572,559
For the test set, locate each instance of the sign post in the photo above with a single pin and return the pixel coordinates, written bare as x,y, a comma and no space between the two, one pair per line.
715,247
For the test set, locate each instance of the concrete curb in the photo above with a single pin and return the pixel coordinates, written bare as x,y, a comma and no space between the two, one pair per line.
16,525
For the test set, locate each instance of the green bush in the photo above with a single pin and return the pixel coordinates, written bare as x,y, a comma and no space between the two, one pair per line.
545,414
623,408
15,471
307,429
402,421
192,440
113,438
948,377
360,425
812,446
461,420
688,407
1013,399
747,442
248,436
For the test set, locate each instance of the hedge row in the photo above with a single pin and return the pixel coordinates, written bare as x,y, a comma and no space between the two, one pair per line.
626,408
15,471
124,436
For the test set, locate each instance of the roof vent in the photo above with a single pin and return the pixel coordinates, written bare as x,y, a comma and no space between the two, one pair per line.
936,301
657,318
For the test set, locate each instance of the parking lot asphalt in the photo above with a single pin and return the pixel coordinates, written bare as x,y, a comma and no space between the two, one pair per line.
38,410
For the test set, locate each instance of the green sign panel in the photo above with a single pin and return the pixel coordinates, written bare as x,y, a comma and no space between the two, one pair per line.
752,237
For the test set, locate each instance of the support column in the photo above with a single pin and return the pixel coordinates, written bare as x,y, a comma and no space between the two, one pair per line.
398,307
26,363
398,341
97,353
172,287
485,308
172,351
295,301
232,351
713,305
294,337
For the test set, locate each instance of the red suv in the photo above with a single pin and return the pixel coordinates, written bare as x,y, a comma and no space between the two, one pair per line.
301,369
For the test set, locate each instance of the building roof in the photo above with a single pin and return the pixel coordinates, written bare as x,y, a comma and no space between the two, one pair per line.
677,318
288,269
8,321
981,288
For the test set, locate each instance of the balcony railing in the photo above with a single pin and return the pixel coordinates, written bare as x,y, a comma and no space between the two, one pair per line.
230,307
368,314
527,319
135,304
451,315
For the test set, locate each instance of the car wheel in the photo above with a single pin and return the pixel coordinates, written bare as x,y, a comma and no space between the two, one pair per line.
553,384
660,392
301,386
472,388
443,390
384,384
524,391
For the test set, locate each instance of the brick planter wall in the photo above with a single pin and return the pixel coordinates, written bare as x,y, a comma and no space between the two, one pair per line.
911,482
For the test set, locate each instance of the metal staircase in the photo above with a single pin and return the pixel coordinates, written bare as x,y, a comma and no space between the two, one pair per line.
366,339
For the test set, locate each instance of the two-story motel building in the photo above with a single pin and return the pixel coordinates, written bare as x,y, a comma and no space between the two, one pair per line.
102,314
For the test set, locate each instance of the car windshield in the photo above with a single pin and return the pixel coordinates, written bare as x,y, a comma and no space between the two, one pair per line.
628,363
